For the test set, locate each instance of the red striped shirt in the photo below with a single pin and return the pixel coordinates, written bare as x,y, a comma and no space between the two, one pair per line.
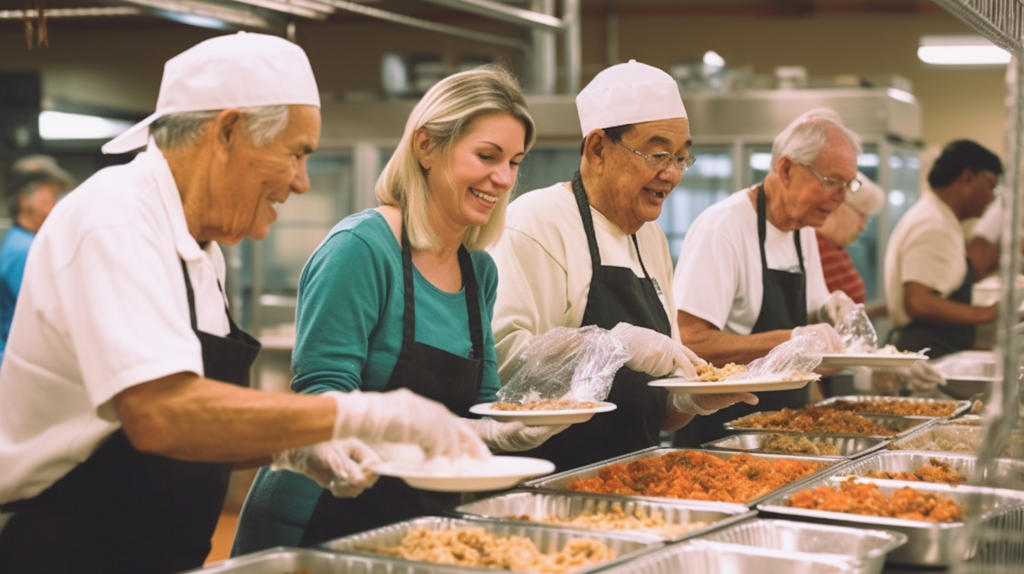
840,274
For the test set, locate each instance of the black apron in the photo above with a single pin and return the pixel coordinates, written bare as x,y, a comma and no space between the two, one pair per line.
941,339
616,296
783,306
126,511
433,373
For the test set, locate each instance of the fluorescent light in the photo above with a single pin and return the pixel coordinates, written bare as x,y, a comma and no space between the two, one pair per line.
65,126
961,51
711,58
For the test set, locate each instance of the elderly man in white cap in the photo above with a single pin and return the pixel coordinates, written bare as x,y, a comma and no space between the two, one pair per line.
590,253
124,401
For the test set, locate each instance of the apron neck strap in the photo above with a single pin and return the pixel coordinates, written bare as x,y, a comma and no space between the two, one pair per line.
762,230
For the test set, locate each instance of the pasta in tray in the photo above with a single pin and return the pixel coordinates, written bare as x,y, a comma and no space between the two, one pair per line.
895,407
616,519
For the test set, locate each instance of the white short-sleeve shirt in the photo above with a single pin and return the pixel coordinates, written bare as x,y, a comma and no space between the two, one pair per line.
927,247
718,276
103,307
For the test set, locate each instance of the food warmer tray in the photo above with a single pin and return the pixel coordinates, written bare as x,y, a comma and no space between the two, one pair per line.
567,505
284,560
561,480
712,558
968,373
547,539
959,407
1008,473
929,544
902,425
867,548
955,437
849,445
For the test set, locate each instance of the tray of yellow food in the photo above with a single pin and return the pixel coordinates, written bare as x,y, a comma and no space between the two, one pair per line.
831,445
665,520
897,406
689,474
931,515
544,412
469,544
819,420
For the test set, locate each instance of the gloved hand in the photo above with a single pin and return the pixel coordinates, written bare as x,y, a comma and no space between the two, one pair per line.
918,378
656,354
837,305
513,436
341,466
823,331
705,405
402,416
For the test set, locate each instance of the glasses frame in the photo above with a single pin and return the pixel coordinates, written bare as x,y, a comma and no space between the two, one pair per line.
832,185
655,160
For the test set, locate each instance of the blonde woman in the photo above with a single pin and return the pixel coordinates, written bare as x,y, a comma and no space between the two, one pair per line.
401,296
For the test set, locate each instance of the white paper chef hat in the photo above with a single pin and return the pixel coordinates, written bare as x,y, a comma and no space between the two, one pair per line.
235,71
629,93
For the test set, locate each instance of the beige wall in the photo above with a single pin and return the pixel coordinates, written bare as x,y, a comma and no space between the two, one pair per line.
117,63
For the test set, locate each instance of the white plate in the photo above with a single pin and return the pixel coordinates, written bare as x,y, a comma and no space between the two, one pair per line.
495,473
727,386
870,360
537,418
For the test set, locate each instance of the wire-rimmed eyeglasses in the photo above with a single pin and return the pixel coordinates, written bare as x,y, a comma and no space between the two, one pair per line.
833,185
659,161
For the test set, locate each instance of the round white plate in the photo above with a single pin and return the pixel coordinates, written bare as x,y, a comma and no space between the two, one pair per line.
738,386
495,473
870,360
537,418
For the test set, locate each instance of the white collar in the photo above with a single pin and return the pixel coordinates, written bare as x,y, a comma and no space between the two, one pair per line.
153,160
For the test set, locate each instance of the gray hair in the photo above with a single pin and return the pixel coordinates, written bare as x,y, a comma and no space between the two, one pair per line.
262,125
805,137
448,112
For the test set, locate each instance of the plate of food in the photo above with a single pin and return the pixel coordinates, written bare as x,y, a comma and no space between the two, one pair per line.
544,412
758,384
443,474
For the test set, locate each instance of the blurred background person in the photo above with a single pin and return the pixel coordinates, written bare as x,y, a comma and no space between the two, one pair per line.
33,187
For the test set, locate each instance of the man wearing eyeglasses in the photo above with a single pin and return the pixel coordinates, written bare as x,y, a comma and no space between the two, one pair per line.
749,275
928,274
590,253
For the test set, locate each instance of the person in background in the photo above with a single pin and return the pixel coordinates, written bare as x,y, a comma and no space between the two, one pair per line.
839,231
749,276
590,253
35,184
124,402
928,275
401,296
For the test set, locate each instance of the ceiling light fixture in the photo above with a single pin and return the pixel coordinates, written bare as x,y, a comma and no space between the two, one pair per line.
961,51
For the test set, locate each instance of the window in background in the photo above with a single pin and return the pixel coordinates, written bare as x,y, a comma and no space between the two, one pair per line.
708,181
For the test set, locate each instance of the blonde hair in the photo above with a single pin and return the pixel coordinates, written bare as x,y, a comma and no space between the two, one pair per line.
447,112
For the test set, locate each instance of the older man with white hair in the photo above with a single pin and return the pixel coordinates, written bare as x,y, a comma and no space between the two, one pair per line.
590,253
124,405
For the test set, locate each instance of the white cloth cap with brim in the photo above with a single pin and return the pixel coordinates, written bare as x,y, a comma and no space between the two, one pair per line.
235,71
629,93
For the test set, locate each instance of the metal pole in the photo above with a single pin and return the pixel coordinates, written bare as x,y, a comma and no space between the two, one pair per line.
573,45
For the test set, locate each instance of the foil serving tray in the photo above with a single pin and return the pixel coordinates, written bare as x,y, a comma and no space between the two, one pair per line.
958,407
849,445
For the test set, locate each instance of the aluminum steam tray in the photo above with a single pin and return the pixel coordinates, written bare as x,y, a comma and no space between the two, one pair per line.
1007,473
712,558
867,548
956,438
901,425
283,560
928,543
956,408
562,480
547,539
694,516
968,373
849,445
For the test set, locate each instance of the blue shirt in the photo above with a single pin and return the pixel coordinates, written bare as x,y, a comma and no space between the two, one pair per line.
13,253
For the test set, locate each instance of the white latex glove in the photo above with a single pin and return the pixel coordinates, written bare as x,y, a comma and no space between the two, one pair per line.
402,416
837,305
918,378
705,405
656,354
825,332
513,436
341,466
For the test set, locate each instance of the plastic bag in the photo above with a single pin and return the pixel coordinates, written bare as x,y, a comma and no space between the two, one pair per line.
572,364
801,354
857,332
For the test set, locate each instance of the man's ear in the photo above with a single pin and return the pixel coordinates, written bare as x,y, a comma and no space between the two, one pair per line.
784,170
423,145
595,147
228,127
